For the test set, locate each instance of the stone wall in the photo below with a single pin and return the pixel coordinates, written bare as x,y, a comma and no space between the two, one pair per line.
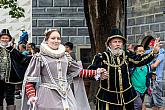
66,15
145,15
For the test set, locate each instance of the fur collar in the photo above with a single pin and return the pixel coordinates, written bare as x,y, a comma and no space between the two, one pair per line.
45,50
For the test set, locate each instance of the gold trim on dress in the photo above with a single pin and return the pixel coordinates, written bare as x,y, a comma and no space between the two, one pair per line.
120,79
107,106
92,61
14,82
128,73
115,103
117,91
108,80
131,100
144,58
98,105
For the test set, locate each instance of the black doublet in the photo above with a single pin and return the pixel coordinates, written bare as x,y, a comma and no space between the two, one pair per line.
13,65
117,90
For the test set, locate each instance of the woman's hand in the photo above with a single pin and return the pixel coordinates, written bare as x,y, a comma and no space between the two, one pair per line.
32,100
156,46
104,74
101,73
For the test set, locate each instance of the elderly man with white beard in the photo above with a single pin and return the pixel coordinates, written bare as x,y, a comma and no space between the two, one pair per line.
115,90
12,68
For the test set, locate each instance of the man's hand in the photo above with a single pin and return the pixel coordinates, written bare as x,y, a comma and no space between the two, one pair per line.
156,46
101,73
104,74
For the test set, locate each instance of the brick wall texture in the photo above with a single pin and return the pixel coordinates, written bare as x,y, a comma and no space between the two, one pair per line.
66,15
145,15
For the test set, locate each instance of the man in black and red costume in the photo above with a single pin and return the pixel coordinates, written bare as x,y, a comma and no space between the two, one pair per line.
115,90
12,68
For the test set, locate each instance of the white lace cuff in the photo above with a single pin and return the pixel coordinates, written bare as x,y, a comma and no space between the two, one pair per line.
32,100
98,72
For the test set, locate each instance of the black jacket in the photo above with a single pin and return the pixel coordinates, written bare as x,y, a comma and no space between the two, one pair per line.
117,89
18,65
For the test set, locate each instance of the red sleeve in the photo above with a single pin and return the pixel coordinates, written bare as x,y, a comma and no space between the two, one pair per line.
87,73
30,91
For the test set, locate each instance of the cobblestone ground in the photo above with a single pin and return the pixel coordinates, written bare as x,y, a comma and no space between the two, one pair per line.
18,104
94,108
146,102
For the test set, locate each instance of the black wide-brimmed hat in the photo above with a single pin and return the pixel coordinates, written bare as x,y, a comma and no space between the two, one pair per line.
148,36
5,32
115,33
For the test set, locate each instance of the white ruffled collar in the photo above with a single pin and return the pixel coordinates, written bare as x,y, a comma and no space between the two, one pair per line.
7,45
44,49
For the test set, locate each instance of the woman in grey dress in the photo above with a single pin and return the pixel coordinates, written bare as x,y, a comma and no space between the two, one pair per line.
53,69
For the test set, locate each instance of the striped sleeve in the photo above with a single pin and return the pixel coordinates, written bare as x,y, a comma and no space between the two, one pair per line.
84,73
30,91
